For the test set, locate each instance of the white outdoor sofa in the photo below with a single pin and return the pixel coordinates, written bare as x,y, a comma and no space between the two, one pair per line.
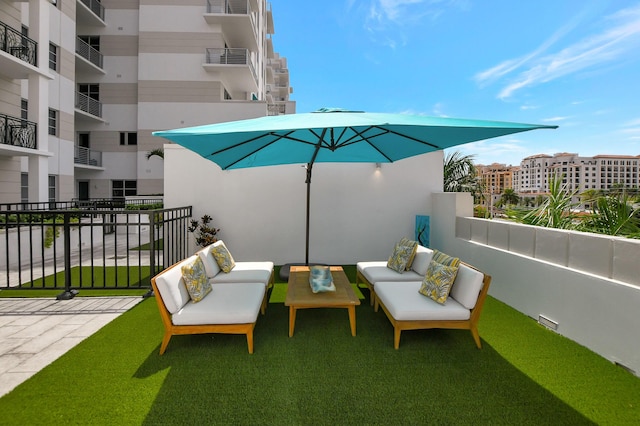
407,309
232,306
369,273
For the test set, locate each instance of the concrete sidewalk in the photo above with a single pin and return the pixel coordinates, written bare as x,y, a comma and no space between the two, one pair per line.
34,332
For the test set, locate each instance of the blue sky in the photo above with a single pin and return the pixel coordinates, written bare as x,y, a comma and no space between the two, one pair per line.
571,63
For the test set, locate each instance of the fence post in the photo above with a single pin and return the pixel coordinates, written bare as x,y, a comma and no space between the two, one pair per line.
152,251
67,294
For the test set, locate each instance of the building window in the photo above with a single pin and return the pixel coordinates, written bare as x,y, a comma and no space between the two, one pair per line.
24,187
91,90
93,41
124,188
53,56
128,138
52,188
24,109
83,139
53,122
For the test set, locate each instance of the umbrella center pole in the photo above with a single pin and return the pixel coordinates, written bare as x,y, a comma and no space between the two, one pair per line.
308,182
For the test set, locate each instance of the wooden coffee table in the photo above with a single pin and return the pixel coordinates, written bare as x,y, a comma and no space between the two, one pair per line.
300,296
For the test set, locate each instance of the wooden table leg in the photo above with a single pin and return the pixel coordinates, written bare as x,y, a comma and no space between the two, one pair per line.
352,319
292,320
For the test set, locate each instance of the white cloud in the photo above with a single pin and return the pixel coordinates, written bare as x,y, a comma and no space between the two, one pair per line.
554,119
620,37
509,151
386,20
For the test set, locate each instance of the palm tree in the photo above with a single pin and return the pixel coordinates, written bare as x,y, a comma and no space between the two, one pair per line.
509,197
460,174
157,151
589,197
556,211
614,216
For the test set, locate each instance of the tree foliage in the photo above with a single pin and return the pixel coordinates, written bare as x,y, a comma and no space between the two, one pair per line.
159,152
460,174
612,214
509,197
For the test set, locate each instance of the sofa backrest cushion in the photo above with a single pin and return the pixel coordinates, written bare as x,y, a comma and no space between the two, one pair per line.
421,260
171,287
195,279
210,264
467,286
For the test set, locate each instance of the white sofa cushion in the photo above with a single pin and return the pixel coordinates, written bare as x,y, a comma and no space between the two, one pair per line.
404,303
246,272
171,287
377,271
210,263
421,260
467,286
237,303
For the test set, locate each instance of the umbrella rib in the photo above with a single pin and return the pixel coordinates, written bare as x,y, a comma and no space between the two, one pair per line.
220,151
409,137
278,137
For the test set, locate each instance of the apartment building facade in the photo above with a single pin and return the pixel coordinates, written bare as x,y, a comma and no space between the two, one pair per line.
84,83
599,173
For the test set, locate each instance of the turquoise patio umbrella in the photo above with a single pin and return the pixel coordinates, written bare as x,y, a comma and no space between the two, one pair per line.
332,135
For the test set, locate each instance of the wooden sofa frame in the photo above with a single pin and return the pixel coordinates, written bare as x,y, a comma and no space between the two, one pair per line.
470,324
360,278
174,330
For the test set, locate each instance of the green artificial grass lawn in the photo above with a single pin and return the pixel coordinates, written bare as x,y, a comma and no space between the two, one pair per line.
132,277
159,245
524,375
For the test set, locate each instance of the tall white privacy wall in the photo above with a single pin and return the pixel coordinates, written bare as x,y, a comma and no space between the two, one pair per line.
358,211
588,284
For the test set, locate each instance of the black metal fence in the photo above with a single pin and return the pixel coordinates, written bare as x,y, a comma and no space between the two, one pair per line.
73,249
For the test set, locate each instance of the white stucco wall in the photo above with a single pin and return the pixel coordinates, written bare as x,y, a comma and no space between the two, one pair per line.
357,212
560,282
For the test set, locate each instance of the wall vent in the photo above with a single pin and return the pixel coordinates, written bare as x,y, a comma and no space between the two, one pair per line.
550,324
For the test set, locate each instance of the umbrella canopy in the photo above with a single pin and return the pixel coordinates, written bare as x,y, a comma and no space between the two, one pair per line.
333,135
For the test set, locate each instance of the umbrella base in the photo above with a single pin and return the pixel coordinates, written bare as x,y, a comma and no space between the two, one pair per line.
286,269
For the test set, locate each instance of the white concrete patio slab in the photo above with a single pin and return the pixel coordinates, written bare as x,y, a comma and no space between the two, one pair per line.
34,332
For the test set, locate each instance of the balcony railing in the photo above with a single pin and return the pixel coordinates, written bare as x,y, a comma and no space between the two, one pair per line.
88,105
18,45
89,53
276,109
95,6
88,157
233,7
237,21
17,132
231,56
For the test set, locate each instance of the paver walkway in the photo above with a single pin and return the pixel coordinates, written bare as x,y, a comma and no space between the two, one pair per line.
34,332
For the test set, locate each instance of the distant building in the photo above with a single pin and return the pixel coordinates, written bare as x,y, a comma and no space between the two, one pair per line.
84,83
495,179
600,173
532,177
